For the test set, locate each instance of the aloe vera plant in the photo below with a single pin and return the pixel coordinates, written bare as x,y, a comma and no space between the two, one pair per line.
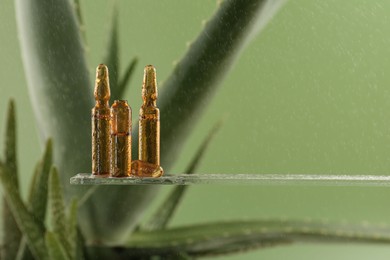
62,239
52,85
55,66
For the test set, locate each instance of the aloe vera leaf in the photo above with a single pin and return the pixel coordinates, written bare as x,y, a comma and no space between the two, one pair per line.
23,251
34,183
80,20
75,239
72,228
57,211
58,81
164,213
118,84
56,250
31,227
11,235
231,236
124,81
59,86
38,196
112,56
10,151
61,95
202,69
39,193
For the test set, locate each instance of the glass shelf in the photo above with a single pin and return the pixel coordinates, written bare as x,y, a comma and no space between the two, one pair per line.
238,179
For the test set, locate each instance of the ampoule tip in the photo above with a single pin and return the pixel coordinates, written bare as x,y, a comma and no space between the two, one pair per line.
101,71
149,88
102,84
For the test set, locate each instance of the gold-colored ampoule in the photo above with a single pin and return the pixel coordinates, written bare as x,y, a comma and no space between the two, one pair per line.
101,124
148,164
120,139
149,120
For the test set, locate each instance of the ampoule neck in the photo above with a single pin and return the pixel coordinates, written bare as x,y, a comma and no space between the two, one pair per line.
149,103
102,103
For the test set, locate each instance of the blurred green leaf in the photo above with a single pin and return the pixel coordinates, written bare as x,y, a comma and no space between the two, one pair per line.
35,177
38,196
166,210
56,250
11,233
30,226
57,211
80,20
23,251
10,148
72,227
112,56
124,81
75,242
233,236
39,192
118,84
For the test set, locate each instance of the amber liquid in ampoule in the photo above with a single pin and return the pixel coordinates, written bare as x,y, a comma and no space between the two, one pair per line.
144,169
120,139
148,164
149,120
101,124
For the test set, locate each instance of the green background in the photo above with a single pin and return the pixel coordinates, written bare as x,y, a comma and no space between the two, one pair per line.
310,94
